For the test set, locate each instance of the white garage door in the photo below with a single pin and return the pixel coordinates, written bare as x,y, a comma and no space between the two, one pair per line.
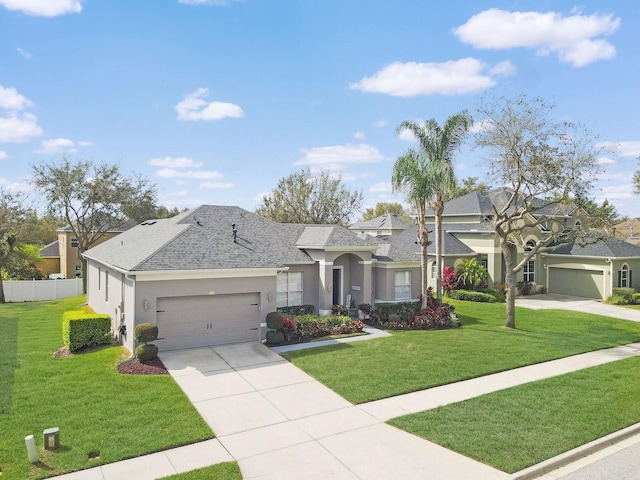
198,321
579,283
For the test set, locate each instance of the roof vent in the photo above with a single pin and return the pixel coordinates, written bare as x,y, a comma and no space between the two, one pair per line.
234,231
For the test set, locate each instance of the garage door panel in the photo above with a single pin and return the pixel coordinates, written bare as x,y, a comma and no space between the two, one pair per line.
579,283
197,321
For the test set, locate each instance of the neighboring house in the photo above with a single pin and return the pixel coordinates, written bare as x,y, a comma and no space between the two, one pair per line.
210,276
63,257
629,231
592,270
387,224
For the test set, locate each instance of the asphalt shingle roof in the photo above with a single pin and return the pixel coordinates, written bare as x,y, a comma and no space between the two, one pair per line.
609,248
386,221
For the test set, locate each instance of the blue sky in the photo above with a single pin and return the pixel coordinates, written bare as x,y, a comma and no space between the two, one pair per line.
216,100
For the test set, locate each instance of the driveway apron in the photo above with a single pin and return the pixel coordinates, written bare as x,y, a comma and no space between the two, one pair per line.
280,423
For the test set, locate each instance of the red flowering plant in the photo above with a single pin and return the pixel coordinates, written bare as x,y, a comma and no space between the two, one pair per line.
449,279
288,327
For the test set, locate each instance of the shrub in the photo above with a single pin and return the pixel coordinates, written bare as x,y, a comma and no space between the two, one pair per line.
472,296
449,279
275,337
635,299
312,326
274,320
340,310
617,300
524,287
365,308
146,352
146,332
404,310
297,310
81,329
409,315
472,274
625,292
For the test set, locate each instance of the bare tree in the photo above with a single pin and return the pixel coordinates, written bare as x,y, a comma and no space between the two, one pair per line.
543,163
92,198
303,197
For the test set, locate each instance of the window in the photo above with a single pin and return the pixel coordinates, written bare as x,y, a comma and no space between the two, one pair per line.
403,285
485,263
289,289
529,271
434,268
74,242
625,276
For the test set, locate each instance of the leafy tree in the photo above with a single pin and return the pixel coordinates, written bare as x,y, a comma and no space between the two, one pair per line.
13,227
468,185
92,198
543,163
303,197
383,208
603,216
472,274
436,174
636,181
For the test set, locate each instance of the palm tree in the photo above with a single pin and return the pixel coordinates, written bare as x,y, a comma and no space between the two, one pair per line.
437,177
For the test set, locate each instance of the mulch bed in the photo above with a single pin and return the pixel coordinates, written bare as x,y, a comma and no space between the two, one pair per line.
136,367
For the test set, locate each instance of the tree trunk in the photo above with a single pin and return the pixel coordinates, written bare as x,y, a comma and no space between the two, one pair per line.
510,284
2,299
423,239
84,274
438,208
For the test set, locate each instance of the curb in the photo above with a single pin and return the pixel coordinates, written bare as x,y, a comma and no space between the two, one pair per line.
577,453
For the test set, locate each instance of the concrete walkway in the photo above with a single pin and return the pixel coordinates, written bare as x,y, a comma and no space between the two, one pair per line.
280,423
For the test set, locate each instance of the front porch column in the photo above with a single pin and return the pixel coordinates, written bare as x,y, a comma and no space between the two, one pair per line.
367,283
325,287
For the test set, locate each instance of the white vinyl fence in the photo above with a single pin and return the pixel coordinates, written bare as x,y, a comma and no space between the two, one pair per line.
36,290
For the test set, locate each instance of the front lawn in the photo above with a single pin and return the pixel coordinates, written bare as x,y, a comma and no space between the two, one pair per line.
99,412
219,471
515,428
415,360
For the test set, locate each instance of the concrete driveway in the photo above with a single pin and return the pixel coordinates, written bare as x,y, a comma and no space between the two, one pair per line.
280,423
576,304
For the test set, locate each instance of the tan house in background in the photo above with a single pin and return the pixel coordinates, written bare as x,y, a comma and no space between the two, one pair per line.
61,259
629,231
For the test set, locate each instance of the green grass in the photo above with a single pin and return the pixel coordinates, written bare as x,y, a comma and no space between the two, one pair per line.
515,428
220,471
95,407
415,360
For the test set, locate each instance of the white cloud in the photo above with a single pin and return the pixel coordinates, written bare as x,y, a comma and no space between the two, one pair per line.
10,99
381,187
3,155
455,77
407,135
175,162
573,39
359,135
23,53
216,185
189,174
606,161
381,123
43,8
193,107
57,145
336,157
19,128
626,149
504,69
481,126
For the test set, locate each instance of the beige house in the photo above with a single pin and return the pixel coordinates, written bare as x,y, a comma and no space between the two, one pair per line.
629,231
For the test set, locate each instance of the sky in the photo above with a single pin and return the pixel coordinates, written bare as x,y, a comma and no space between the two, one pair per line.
216,100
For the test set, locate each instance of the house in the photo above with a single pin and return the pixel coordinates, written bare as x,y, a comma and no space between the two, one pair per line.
387,224
210,276
629,231
591,270
62,255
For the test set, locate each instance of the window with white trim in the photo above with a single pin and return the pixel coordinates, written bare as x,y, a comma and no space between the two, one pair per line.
289,289
74,242
529,271
403,285
624,276
434,269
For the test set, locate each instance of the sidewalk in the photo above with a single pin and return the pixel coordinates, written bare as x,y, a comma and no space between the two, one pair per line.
278,422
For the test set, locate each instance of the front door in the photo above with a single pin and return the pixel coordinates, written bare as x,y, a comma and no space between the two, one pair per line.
337,286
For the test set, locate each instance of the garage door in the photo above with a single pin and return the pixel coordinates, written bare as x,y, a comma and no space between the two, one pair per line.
198,321
580,283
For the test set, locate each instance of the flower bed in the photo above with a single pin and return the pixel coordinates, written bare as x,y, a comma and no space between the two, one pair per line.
305,328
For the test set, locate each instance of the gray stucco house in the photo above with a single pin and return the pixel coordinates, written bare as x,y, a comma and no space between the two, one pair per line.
209,276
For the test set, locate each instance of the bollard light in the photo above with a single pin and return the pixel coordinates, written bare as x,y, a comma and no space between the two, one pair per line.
31,448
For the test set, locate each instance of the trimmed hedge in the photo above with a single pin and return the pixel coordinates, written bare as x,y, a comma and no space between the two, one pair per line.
274,320
146,332
321,326
471,296
146,352
81,329
403,310
297,310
